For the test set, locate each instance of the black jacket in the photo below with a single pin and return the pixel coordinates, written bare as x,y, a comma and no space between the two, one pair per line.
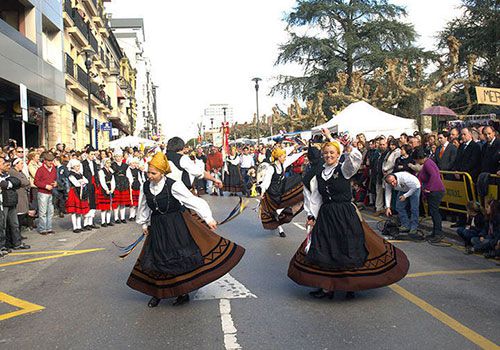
490,157
469,159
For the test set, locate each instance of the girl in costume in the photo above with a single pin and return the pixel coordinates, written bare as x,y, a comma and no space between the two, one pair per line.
281,197
232,175
181,252
136,179
122,197
107,185
342,252
77,203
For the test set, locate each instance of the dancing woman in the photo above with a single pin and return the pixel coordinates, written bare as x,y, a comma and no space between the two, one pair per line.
281,197
232,174
343,253
181,252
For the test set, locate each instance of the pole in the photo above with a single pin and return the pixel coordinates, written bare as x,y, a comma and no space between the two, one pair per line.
88,65
257,103
23,92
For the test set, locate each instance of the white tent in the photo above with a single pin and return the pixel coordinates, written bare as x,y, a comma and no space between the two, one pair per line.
131,141
361,117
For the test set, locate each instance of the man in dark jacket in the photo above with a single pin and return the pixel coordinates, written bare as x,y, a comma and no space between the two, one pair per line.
490,157
379,176
90,171
469,156
446,152
10,222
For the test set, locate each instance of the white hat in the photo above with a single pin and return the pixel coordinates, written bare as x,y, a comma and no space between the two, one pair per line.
73,162
131,160
118,152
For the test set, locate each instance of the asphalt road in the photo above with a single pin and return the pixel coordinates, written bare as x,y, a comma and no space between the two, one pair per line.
448,300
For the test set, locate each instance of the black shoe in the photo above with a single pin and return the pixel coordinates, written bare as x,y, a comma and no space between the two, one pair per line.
87,228
350,295
78,230
117,222
124,221
182,299
22,246
104,225
111,223
468,250
282,234
435,238
94,226
154,302
320,294
61,215
131,219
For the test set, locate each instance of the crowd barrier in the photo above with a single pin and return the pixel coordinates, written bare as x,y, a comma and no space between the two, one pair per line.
458,191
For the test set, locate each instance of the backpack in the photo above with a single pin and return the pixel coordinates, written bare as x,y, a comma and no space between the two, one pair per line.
390,228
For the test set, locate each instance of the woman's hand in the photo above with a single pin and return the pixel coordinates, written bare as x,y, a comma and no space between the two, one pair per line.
145,230
310,222
212,224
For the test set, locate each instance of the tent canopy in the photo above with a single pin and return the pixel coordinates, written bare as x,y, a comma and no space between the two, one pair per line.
361,117
131,141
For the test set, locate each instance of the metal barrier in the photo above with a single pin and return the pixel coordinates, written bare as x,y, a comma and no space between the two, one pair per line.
458,191
493,187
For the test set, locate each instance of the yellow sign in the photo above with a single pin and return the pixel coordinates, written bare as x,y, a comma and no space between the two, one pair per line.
456,192
488,96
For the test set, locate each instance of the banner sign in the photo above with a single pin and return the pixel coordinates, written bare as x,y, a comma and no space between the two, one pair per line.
488,96
106,126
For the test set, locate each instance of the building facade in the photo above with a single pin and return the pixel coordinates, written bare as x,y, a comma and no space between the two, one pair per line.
31,42
100,83
129,33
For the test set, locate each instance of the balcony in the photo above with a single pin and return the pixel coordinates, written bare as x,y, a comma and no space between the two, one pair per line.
99,19
78,81
82,77
68,14
93,42
80,30
70,66
92,6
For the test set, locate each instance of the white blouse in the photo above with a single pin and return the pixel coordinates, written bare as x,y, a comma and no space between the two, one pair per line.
349,168
290,159
102,181
181,193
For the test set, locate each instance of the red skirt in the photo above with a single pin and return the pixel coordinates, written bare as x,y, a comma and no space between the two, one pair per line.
135,197
121,198
103,201
75,205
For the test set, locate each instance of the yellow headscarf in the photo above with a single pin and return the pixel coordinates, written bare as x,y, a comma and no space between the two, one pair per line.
277,152
160,162
335,144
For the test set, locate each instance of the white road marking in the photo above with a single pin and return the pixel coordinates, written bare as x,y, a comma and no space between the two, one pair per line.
226,287
299,226
228,328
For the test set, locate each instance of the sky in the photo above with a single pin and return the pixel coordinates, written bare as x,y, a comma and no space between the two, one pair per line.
207,51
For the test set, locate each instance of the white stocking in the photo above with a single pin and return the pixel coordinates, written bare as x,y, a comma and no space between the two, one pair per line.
73,220
116,214
108,216
79,222
122,213
133,211
103,217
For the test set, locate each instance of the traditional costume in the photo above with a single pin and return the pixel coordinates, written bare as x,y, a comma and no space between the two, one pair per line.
122,197
181,253
136,178
90,169
77,203
184,169
107,185
282,197
233,181
342,251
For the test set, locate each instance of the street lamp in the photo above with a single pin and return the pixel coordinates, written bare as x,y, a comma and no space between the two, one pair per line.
257,103
224,111
88,53
211,123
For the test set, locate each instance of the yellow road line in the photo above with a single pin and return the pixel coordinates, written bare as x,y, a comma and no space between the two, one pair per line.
452,272
55,256
45,252
468,333
24,306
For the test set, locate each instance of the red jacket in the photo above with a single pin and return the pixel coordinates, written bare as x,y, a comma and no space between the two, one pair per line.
44,177
214,161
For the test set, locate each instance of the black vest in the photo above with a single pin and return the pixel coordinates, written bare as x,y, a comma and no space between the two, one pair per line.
164,202
83,190
122,183
136,184
176,159
337,189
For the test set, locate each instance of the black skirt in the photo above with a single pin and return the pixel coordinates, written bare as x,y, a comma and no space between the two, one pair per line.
171,248
232,179
337,238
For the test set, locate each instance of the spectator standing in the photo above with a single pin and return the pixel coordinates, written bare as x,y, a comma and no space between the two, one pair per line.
22,207
33,164
214,167
45,181
9,208
433,190
408,187
446,152
404,159
490,157
379,177
246,162
469,156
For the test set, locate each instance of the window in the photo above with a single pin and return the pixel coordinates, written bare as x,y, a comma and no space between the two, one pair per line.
75,121
51,43
12,12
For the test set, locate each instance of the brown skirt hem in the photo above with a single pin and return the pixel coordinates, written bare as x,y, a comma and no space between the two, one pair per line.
385,265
